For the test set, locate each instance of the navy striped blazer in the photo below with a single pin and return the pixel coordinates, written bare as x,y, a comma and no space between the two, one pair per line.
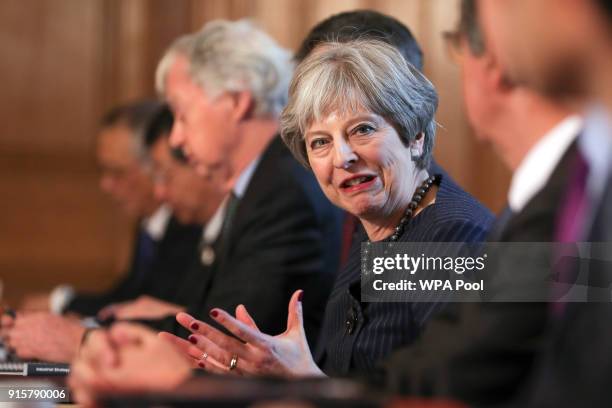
355,336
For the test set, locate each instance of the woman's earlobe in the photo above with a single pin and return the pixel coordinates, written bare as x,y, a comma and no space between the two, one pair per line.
416,146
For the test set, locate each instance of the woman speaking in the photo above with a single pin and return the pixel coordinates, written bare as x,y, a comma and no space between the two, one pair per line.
362,119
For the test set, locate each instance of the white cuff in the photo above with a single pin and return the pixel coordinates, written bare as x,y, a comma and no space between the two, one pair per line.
60,297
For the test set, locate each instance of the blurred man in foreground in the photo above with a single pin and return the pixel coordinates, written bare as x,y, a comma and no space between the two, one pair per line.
570,56
483,353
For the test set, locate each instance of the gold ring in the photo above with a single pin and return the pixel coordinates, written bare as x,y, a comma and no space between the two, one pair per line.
204,356
233,362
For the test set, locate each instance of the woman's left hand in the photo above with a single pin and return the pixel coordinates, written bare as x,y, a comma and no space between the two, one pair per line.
286,355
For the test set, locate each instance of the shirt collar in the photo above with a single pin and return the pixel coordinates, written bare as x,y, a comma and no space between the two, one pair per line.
213,227
211,231
156,224
245,178
595,144
539,163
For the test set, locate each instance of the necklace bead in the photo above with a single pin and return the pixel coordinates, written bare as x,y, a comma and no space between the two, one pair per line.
418,196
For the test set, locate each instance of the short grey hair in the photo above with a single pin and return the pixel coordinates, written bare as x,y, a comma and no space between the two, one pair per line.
226,56
360,74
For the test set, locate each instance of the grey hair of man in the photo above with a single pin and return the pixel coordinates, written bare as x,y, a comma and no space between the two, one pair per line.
234,56
360,75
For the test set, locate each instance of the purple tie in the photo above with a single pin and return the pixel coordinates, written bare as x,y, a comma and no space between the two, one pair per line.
573,207
569,227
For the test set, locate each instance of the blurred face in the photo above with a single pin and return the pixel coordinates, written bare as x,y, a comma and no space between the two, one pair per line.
540,43
476,94
361,164
204,127
490,103
485,103
193,199
123,177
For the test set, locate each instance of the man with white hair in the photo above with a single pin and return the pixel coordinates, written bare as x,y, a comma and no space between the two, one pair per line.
226,85
275,232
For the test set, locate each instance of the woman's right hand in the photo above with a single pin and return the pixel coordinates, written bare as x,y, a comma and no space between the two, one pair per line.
286,355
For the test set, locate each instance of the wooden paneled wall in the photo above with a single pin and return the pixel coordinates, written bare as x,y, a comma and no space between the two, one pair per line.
66,61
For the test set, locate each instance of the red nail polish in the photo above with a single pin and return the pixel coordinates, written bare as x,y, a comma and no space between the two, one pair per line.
194,326
201,364
192,339
214,313
300,296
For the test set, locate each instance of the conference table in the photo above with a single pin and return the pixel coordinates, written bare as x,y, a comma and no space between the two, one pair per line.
218,392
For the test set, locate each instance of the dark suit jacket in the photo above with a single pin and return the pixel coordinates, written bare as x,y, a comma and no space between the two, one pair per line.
576,367
171,258
483,353
284,236
577,363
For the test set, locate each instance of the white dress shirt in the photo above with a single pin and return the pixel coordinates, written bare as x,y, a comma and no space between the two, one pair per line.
213,227
595,144
156,224
538,165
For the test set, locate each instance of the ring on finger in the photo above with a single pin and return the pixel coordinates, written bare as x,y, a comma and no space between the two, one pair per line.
233,362
204,356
